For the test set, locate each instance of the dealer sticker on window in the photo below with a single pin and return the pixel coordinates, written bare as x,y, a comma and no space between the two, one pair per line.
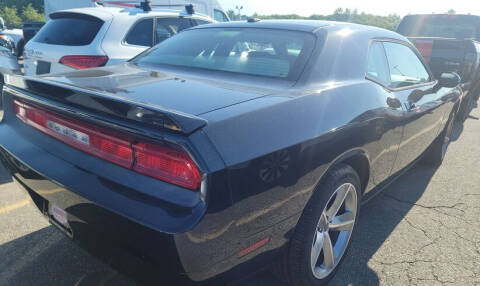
69,132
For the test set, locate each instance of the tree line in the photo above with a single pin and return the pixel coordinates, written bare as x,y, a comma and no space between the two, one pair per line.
15,12
389,22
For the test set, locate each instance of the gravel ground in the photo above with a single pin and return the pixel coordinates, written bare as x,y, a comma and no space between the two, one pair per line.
423,230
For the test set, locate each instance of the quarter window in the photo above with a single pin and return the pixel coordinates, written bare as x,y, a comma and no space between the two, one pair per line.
377,67
141,34
406,69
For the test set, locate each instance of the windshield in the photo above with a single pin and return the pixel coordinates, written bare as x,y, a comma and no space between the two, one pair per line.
445,26
272,53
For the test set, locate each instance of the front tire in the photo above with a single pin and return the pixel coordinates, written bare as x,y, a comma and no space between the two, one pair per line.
323,234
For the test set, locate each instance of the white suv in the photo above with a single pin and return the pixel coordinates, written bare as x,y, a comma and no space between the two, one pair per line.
93,37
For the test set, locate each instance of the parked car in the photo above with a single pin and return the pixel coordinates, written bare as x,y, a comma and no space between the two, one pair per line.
211,8
230,146
449,43
104,36
8,60
15,35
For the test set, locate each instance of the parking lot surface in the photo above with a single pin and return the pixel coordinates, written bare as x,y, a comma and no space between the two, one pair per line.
424,229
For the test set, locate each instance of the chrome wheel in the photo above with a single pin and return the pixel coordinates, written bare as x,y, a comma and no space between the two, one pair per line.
334,230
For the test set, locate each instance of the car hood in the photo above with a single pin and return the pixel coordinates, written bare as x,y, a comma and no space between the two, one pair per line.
188,94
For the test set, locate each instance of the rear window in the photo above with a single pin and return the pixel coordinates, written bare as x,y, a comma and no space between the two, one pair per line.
444,26
68,29
268,53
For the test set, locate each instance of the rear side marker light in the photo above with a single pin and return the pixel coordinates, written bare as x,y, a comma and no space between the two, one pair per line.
164,161
84,62
253,247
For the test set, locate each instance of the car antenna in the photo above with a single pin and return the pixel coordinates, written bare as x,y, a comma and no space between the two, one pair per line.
146,5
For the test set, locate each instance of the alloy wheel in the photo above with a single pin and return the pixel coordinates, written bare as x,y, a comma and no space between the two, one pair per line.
333,231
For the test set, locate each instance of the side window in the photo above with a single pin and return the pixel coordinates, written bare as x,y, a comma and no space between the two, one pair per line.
141,34
406,69
167,27
377,66
219,16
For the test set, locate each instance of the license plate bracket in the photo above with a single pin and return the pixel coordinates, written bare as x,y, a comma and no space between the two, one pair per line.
59,218
43,67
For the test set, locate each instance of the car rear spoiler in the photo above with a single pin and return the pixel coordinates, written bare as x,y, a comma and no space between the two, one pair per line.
48,92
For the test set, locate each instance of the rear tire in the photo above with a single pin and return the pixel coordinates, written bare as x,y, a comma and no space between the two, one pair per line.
437,151
323,234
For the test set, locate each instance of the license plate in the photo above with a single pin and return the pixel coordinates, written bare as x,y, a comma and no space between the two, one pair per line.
58,214
43,67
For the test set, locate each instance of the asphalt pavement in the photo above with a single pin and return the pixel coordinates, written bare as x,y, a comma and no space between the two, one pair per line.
424,229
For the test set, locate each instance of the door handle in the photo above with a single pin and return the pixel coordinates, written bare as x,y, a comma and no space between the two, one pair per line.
410,105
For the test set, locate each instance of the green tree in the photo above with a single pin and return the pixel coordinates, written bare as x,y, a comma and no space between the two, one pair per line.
19,4
347,15
9,14
31,14
451,11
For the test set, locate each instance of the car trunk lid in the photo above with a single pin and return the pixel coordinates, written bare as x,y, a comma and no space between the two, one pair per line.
151,97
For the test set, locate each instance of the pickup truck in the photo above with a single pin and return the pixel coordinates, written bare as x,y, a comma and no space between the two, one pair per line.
449,43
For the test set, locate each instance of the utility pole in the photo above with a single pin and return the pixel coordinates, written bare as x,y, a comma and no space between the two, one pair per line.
239,12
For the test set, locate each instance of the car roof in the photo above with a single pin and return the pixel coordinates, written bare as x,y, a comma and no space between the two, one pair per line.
296,25
108,13
310,26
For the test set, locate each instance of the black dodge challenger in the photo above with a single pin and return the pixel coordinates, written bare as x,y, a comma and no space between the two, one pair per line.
229,146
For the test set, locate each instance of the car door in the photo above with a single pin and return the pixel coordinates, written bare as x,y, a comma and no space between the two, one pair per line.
413,85
389,127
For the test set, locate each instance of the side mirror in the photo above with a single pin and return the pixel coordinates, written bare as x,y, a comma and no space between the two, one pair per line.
449,80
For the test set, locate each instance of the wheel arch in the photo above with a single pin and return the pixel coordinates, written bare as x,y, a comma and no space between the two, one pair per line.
359,160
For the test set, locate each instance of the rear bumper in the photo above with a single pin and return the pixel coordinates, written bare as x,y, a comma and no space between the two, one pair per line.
181,257
145,254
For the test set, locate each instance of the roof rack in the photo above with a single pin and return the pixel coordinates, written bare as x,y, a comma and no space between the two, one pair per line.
145,5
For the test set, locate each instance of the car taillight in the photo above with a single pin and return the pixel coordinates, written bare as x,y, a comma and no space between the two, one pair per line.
168,163
96,141
84,62
164,161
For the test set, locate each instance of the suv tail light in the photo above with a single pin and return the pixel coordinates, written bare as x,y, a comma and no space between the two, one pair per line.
425,47
84,62
164,161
